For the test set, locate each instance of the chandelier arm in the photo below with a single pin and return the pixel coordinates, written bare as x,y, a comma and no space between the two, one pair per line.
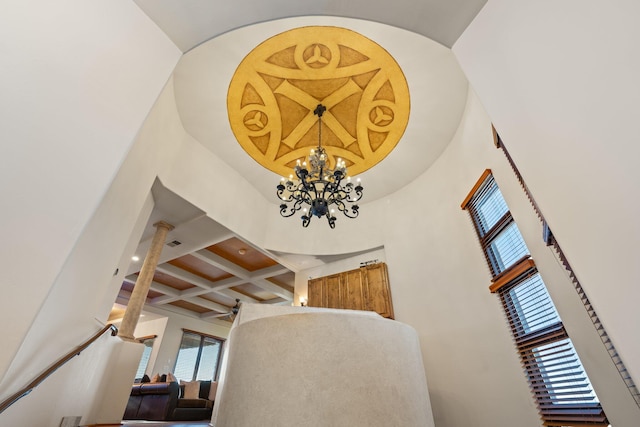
280,194
342,207
293,209
319,186
331,220
284,213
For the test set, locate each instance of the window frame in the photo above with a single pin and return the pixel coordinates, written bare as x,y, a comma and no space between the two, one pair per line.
545,388
203,337
148,342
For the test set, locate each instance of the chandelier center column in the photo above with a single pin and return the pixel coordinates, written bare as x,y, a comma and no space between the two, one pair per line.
141,288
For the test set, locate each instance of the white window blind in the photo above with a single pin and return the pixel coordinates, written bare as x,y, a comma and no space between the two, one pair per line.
557,379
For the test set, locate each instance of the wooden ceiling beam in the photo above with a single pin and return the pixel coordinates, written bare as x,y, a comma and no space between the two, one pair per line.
208,304
274,289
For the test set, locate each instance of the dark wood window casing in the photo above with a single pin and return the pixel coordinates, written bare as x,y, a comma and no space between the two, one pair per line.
557,379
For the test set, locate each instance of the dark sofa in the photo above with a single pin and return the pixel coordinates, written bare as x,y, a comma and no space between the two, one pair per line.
164,402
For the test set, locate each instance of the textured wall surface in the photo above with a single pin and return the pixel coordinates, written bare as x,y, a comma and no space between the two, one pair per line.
323,369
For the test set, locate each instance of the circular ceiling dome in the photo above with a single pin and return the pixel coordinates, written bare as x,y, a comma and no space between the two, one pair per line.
278,85
209,77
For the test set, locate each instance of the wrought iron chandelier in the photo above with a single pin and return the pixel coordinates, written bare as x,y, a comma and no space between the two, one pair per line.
319,187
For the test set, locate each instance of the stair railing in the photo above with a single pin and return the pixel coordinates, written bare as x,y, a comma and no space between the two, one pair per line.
57,365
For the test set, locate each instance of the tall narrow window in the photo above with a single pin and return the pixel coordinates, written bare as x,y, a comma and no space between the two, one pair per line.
146,355
557,379
199,357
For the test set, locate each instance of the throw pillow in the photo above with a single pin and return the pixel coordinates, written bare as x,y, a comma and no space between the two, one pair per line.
145,379
163,378
171,378
155,378
191,389
213,390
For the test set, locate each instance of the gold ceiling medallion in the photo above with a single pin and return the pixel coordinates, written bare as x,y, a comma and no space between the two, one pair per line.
278,85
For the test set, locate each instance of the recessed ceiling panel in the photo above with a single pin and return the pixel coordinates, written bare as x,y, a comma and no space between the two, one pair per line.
254,291
189,306
171,281
200,268
286,281
242,254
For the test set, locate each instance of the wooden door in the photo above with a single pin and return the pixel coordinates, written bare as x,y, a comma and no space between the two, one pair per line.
376,290
316,295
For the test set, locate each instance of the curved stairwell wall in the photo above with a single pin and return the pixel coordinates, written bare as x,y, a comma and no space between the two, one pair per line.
315,367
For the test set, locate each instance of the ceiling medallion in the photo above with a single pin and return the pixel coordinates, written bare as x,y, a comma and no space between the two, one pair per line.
277,87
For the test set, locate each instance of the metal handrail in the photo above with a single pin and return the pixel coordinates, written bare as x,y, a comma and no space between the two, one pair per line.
40,378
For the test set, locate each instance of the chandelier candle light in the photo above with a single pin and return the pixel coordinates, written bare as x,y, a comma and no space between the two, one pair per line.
319,187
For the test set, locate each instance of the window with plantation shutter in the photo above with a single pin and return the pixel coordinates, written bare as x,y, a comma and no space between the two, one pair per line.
556,377
199,357
146,355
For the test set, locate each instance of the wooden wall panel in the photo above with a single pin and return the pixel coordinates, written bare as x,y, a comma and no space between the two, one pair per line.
333,289
365,288
353,290
377,291
315,293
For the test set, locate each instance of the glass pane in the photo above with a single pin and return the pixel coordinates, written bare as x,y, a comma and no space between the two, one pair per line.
490,207
209,359
187,357
144,360
560,370
532,306
507,248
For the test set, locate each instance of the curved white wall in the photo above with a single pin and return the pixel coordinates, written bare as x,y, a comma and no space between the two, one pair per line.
323,367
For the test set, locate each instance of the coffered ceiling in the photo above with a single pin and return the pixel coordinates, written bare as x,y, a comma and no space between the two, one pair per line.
204,267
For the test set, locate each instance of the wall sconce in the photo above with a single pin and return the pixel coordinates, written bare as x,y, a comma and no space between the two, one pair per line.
303,302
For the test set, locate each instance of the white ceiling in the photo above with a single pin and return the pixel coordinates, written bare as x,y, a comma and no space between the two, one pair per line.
218,35
188,23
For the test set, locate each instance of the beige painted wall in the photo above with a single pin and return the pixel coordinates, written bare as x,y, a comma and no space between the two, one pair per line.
560,83
69,116
87,278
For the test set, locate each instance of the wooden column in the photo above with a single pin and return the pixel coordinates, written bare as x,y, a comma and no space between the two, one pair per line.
141,288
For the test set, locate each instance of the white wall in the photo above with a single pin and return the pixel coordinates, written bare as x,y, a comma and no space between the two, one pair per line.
78,78
560,82
82,287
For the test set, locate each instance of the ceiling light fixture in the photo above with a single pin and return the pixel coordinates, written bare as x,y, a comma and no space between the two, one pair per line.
319,186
